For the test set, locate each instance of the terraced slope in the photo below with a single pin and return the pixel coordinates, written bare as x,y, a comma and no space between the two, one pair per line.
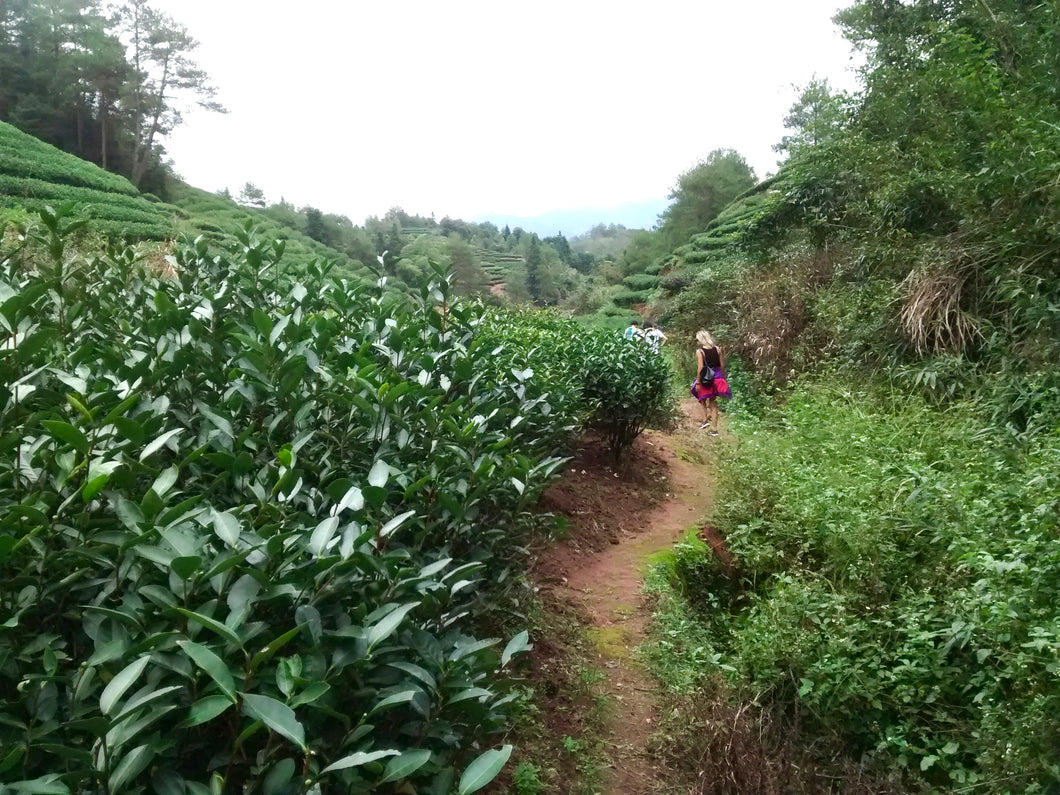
219,220
34,174
726,230
497,264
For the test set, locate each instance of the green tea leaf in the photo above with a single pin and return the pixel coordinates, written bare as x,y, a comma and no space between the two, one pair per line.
467,649
45,785
227,527
404,697
353,500
405,765
358,759
136,702
131,765
13,757
385,628
129,513
121,682
516,645
165,480
279,776
156,445
285,677
276,715
471,692
322,535
416,671
310,694
483,770
212,625
186,566
205,710
379,474
395,523
213,665
67,433
272,647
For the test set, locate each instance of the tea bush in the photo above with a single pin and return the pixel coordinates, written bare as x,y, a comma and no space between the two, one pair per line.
251,528
641,282
629,298
623,387
627,388
899,584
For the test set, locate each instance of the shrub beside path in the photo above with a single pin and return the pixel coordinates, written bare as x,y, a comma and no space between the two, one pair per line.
619,521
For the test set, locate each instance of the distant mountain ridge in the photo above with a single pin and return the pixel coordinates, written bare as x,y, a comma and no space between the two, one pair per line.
579,220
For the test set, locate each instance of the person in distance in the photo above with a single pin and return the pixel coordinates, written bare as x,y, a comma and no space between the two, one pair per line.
710,383
633,332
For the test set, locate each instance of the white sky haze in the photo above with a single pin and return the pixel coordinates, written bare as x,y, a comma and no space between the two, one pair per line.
463,108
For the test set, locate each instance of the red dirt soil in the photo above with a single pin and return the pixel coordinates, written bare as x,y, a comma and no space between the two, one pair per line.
618,519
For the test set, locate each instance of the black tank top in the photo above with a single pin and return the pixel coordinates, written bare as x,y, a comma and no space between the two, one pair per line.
711,357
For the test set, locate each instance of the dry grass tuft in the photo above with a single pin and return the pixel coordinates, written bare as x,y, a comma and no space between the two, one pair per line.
718,748
158,258
770,318
932,317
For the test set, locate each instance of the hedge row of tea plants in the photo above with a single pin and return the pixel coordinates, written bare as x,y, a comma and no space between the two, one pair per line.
898,588
22,155
641,282
220,219
95,204
34,175
252,530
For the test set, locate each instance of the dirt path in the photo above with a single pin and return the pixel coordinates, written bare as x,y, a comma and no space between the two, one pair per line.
619,521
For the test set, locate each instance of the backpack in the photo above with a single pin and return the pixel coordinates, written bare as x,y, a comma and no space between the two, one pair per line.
706,375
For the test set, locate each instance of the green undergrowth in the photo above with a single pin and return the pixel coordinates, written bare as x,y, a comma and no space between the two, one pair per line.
896,589
680,652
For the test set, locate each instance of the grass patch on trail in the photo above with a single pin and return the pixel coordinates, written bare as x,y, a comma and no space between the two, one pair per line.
611,642
562,717
680,651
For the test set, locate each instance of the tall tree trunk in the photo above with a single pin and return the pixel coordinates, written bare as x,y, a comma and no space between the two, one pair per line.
103,128
80,121
145,144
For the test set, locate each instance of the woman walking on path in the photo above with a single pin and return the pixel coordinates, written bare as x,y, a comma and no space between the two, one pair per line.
710,382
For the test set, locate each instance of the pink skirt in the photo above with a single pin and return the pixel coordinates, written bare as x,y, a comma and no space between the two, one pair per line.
720,388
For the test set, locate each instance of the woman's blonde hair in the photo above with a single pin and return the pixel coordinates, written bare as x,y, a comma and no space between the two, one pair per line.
703,338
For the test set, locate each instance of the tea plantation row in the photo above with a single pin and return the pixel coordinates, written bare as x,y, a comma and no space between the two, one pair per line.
252,532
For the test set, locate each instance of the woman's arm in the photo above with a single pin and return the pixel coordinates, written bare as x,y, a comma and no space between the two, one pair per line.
701,360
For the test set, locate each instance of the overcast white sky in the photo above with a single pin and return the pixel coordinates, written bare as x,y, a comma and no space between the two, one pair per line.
475,106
